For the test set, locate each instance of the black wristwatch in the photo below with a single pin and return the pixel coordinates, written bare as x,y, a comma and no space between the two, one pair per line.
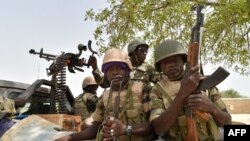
129,130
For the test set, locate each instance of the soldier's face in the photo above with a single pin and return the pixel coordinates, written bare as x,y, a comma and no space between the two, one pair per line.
92,88
141,53
115,73
172,67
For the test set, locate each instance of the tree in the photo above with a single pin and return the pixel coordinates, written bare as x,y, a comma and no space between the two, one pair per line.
231,94
226,38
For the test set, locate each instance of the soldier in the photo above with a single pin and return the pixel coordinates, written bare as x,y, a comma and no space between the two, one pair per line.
85,103
130,121
141,71
171,96
7,109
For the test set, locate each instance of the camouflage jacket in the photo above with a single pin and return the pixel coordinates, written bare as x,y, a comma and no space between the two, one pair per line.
162,95
131,108
7,107
81,106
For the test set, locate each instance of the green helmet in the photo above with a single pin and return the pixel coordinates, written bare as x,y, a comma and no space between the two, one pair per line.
166,49
134,44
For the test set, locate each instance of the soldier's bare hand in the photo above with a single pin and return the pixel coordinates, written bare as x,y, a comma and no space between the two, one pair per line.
200,102
191,81
92,62
113,128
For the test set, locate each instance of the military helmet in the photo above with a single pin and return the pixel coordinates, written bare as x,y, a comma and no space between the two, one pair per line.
134,44
89,80
166,49
116,55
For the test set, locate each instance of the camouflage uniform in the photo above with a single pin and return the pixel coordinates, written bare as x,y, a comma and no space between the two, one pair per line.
144,73
214,92
80,106
162,96
165,91
131,110
7,107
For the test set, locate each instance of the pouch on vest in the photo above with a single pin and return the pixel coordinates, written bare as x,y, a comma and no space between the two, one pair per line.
133,115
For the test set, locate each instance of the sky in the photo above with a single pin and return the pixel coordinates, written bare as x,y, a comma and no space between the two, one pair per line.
58,26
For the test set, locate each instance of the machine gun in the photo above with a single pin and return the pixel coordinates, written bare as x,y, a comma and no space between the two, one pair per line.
193,60
71,60
58,71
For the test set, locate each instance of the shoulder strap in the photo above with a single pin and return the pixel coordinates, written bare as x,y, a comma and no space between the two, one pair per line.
164,93
129,96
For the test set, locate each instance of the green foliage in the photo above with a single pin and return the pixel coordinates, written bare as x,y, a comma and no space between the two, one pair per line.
231,94
226,37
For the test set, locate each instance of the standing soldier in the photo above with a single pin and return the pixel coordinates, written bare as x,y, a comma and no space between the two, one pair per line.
7,109
172,95
120,109
142,71
85,103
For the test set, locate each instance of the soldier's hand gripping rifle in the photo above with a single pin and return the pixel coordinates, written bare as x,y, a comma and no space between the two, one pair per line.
116,107
193,60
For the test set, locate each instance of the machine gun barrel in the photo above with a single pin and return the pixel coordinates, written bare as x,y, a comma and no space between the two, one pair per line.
43,55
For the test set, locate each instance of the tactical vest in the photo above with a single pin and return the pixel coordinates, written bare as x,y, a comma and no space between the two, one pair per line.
80,107
130,109
144,73
207,130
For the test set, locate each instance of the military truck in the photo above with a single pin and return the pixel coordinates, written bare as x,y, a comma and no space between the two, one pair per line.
40,96
40,102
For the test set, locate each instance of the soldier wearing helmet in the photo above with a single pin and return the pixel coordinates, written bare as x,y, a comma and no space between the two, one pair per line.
141,70
172,94
129,120
85,103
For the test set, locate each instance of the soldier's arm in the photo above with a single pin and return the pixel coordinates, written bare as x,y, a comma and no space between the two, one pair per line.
161,115
98,75
202,103
88,134
221,118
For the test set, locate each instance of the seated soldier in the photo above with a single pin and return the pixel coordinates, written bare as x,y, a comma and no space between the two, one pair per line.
172,99
119,113
85,103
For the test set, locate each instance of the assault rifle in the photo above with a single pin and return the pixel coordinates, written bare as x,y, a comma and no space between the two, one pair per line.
193,60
